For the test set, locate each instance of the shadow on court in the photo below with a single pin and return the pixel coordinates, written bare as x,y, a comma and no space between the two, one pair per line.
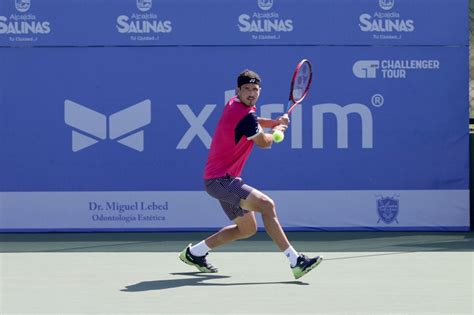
195,279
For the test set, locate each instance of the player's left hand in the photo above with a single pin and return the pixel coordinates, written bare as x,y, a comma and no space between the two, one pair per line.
281,127
283,120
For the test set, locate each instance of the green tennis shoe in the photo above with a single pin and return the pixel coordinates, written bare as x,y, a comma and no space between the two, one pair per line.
199,262
304,264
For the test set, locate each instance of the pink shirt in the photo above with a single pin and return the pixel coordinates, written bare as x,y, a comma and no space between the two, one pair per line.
232,144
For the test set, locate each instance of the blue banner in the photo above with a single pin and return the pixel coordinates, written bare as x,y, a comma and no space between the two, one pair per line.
225,22
378,118
107,111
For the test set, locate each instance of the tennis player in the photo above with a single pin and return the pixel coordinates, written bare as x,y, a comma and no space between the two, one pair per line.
237,131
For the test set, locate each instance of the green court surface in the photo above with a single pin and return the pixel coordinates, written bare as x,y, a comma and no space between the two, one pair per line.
140,273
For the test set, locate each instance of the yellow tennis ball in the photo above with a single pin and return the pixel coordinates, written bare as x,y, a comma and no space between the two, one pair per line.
278,136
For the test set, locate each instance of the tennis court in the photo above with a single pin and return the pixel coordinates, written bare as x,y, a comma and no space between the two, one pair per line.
106,126
140,273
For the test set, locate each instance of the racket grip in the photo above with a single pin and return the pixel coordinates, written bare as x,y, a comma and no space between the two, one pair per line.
285,115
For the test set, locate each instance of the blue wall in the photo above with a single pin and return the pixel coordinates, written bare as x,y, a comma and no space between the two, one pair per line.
117,97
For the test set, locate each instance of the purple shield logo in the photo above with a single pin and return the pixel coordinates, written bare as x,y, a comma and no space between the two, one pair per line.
387,209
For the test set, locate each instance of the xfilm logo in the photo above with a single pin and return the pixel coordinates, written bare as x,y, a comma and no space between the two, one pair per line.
365,69
265,4
386,4
320,113
144,5
392,68
341,113
123,126
22,5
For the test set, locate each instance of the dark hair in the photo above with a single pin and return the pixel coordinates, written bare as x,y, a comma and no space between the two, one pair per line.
248,76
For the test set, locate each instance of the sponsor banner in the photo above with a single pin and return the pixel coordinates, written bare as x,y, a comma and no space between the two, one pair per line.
245,22
400,22
298,210
22,24
120,119
93,23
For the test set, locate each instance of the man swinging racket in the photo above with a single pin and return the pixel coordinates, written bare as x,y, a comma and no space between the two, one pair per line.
237,131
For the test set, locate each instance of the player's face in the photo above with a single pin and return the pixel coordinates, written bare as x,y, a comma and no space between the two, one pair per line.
249,93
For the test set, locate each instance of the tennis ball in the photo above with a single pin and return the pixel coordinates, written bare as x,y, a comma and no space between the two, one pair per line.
278,136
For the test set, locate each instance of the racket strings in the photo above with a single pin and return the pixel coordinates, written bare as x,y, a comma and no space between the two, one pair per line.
301,83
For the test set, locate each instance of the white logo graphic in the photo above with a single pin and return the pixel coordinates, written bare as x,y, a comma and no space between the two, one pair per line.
386,24
265,4
365,69
268,25
378,23
196,125
386,4
22,5
122,126
319,111
391,69
144,5
143,26
377,100
341,114
24,25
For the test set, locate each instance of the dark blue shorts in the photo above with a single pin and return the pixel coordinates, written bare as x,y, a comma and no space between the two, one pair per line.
229,191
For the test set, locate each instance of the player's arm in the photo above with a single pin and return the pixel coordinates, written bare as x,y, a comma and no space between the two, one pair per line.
251,128
272,123
265,140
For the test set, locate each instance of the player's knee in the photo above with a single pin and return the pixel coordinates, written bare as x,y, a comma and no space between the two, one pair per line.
268,206
251,231
248,231
266,202
247,234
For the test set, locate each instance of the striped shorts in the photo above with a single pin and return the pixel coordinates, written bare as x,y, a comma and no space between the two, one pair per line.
229,191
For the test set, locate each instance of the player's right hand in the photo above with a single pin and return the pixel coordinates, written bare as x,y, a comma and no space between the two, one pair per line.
284,120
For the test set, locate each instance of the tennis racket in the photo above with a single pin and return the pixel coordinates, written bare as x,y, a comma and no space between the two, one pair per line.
300,83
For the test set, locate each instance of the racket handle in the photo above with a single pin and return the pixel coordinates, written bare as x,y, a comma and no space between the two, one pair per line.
285,115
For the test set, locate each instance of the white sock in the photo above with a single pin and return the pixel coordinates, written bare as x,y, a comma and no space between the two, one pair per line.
292,255
200,249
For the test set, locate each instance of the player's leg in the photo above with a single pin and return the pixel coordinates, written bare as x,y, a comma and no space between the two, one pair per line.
229,191
245,226
258,201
